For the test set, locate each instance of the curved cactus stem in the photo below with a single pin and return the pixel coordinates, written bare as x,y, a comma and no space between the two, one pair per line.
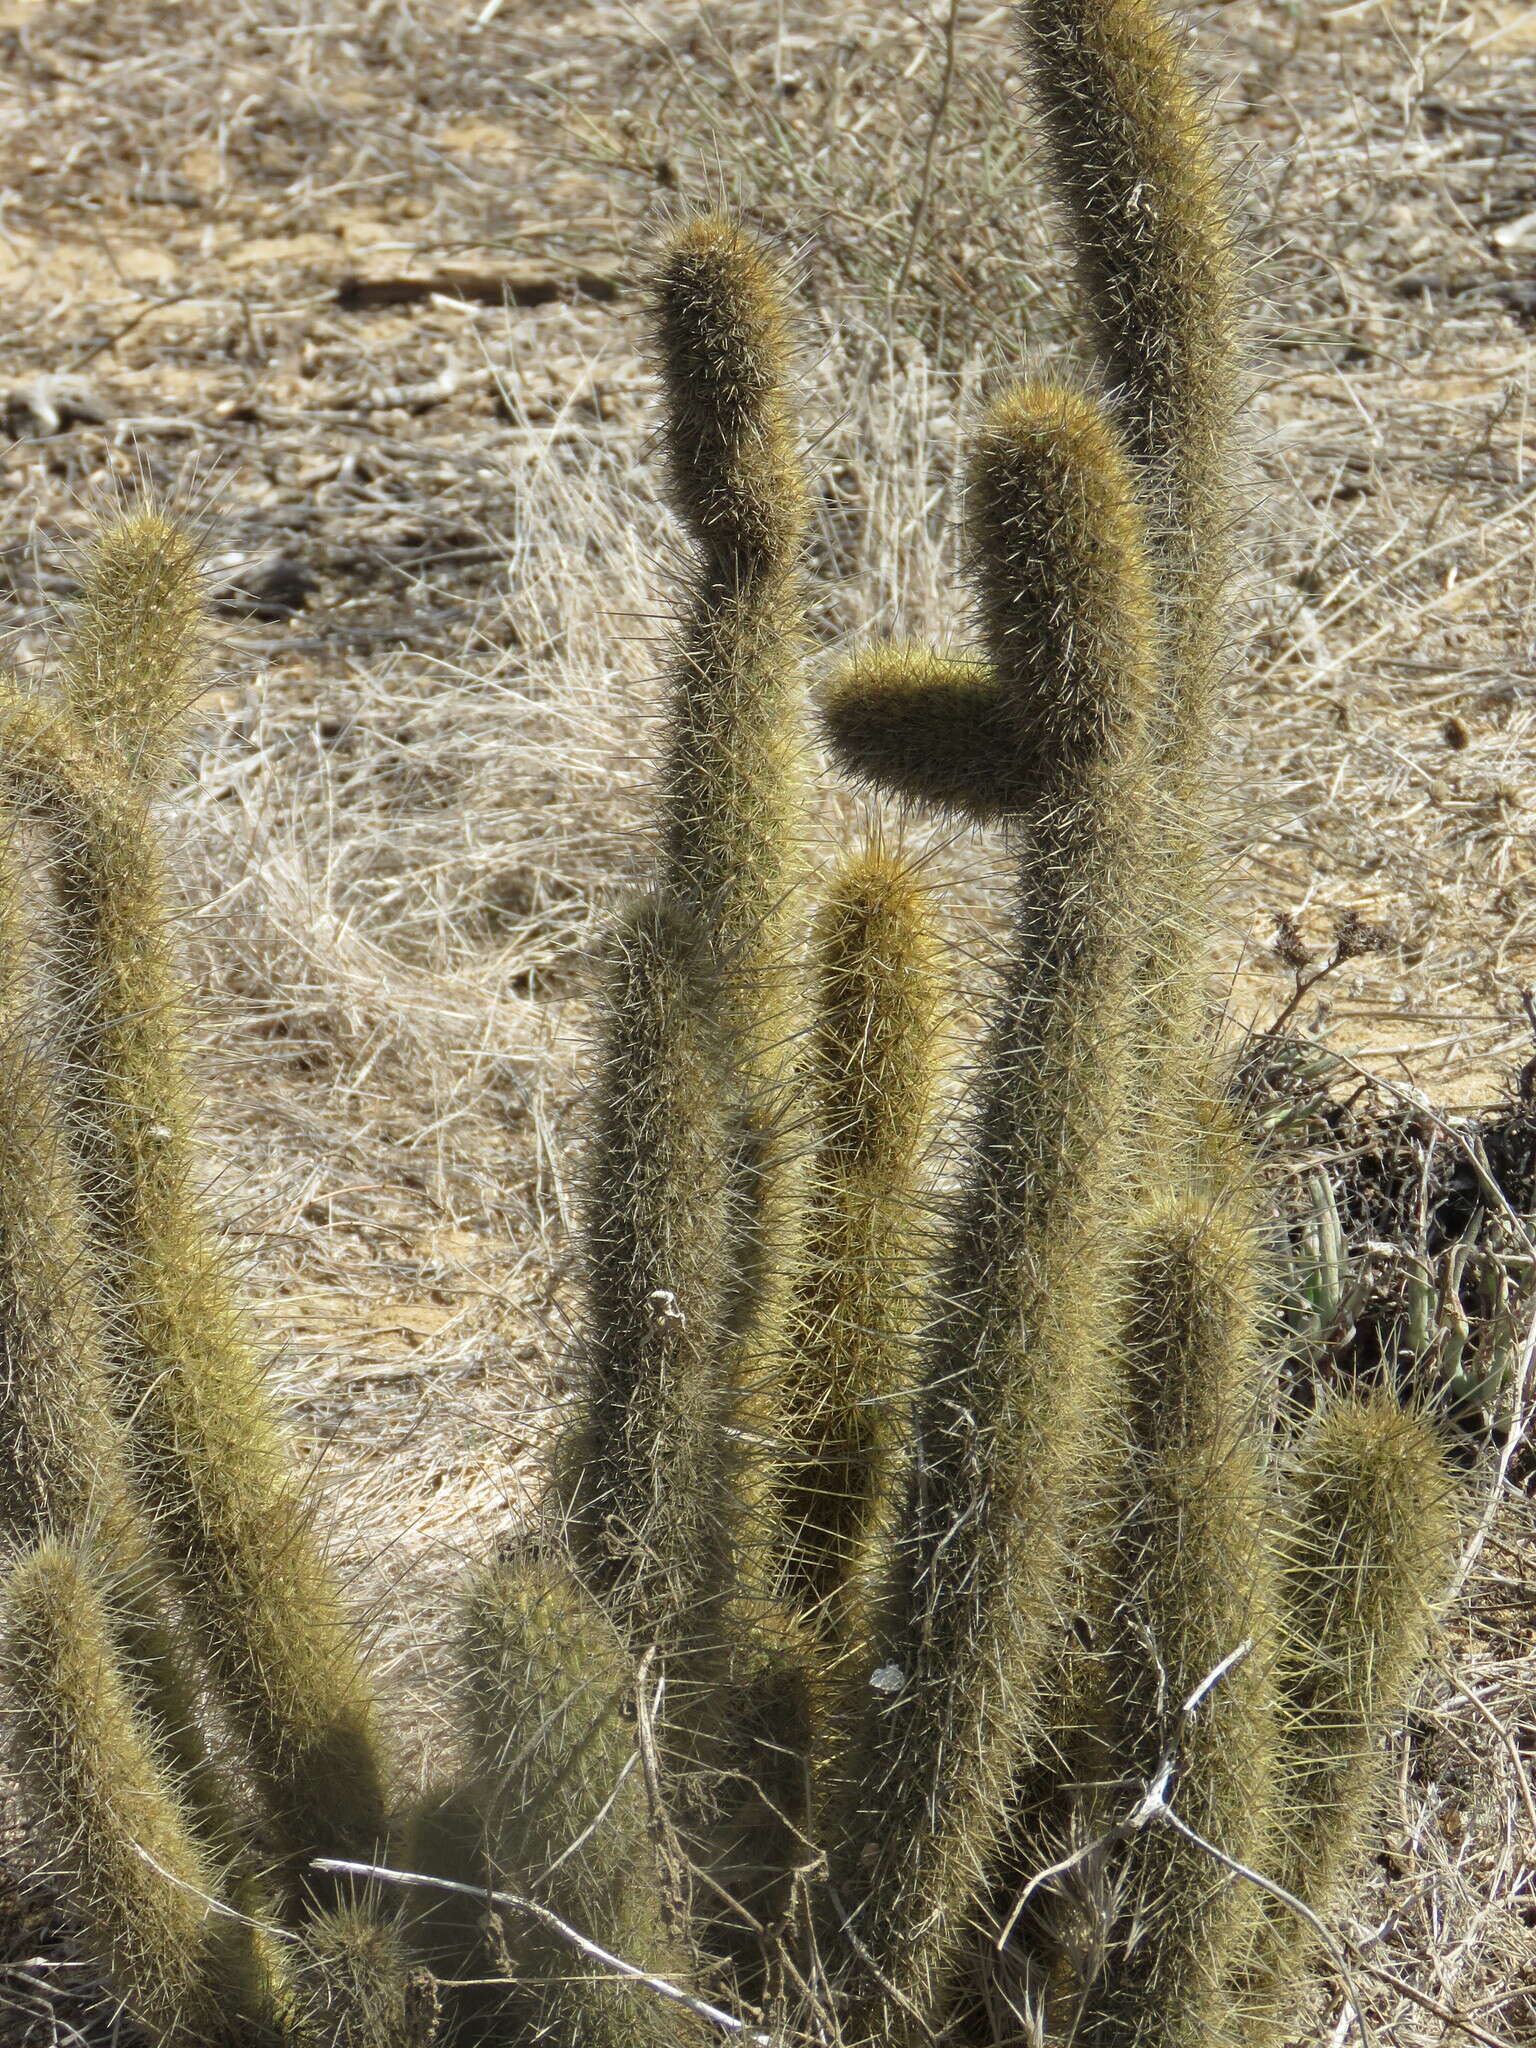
929,728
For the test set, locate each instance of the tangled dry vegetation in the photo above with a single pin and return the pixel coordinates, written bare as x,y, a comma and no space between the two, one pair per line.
353,281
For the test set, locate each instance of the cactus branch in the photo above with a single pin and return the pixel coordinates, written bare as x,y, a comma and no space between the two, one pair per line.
205,1443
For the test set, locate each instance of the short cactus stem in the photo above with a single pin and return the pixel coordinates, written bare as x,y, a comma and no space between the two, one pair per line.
130,672
1369,1538
849,1350
1192,1628
550,1698
146,1889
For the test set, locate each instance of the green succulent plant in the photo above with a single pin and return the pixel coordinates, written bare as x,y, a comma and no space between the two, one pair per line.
937,1628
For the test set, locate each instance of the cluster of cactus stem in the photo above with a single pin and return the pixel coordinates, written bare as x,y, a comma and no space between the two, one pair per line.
938,1627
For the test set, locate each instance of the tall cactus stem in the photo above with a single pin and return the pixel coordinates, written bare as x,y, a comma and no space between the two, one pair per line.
1009,1419
1130,151
731,786
63,1454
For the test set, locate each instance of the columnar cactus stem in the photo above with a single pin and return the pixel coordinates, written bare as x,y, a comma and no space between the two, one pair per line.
197,1974
63,1456
205,1443
1009,1410
731,800
1192,1615
1130,151
849,1348
1370,1535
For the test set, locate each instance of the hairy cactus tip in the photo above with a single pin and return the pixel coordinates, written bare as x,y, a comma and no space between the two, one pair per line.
725,348
130,669
1053,535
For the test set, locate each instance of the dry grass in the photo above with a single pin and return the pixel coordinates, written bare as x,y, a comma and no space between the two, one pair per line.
438,551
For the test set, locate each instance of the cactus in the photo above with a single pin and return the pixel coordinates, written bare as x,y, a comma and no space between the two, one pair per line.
550,1703
731,782
935,1607
203,1439
650,1464
1190,1679
850,1328
1369,1538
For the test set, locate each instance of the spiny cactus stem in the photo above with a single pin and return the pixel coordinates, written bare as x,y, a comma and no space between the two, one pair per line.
1192,1631
649,1461
63,1455
129,673
1130,151
731,801
204,1440
873,1070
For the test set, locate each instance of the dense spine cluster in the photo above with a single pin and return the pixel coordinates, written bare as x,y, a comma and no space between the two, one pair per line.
937,1628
